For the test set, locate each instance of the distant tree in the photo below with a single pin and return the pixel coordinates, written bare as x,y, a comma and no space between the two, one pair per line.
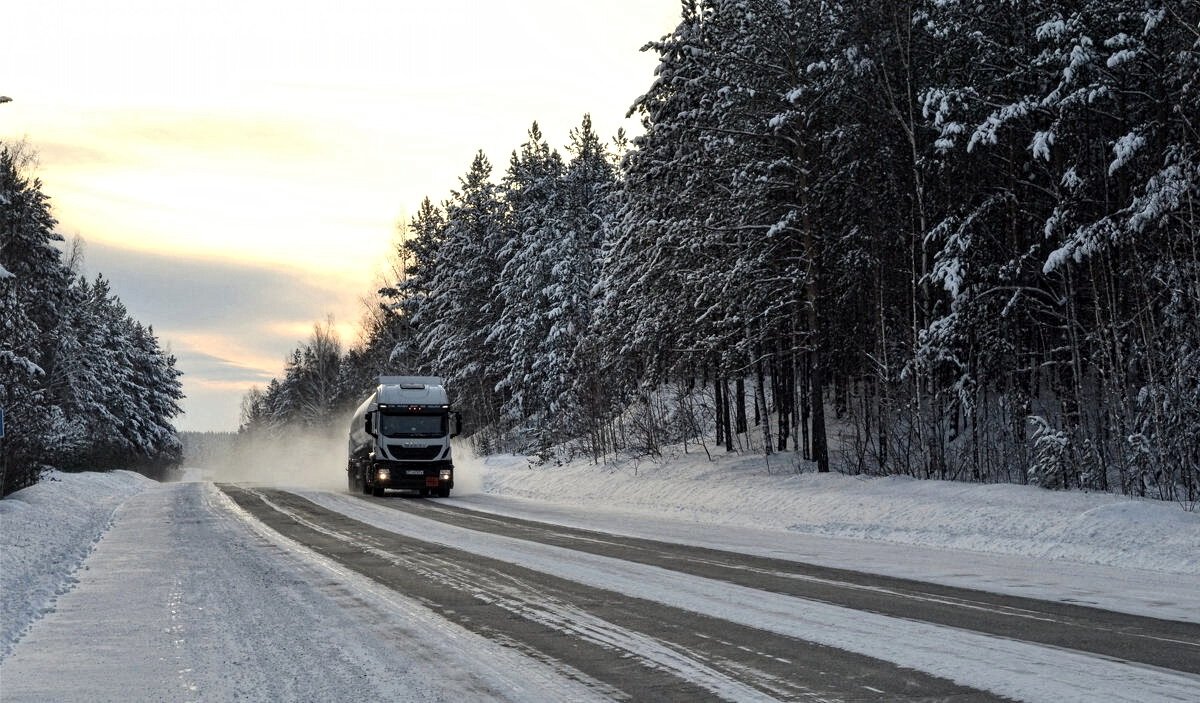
373,356
254,413
207,449
322,358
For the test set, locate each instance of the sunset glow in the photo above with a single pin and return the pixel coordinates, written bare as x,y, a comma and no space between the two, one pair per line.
277,139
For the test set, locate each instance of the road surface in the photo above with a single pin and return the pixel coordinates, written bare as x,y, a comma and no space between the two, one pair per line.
264,594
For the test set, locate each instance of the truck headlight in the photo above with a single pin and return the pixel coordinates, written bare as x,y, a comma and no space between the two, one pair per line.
384,475
445,475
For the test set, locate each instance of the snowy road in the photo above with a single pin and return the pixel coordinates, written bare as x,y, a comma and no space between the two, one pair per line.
636,645
1157,642
183,600
200,592
835,647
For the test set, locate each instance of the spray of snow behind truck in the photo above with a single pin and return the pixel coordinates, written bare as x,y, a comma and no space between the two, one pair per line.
400,438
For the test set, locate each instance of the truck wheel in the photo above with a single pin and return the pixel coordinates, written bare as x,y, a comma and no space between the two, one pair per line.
377,491
443,491
363,485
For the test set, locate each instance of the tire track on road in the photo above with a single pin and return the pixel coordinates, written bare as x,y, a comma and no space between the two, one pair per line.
1164,643
645,649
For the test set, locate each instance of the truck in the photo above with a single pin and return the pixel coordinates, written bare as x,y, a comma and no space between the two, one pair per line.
400,438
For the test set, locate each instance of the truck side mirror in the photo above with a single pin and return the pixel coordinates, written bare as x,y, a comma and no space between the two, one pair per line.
367,424
455,424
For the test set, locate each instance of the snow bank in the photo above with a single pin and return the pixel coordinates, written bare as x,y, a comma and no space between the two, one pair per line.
739,491
46,531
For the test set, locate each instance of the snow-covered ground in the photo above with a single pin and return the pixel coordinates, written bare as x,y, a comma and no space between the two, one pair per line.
60,542
46,531
1128,555
739,491
186,599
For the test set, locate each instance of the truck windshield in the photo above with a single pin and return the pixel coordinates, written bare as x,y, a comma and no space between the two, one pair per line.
412,425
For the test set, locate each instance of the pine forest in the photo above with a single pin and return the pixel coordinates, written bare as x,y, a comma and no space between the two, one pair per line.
950,240
942,239
83,385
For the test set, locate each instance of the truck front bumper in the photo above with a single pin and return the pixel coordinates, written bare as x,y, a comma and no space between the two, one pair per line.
401,475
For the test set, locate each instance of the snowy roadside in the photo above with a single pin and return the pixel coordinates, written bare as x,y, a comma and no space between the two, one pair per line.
1086,528
46,531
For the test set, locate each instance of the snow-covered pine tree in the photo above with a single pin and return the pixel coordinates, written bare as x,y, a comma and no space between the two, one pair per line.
90,377
565,364
716,246
768,138
1125,80
1071,172
462,308
416,272
645,313
118,425
533,224
33,285
159,391
975,251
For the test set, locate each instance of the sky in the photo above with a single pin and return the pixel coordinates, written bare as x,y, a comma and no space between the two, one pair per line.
238,169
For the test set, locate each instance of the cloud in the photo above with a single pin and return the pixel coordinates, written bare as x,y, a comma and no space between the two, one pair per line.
229,324
240,135
75,154
218,372
210,294
138,138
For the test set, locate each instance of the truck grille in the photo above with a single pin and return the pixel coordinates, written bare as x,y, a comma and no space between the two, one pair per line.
415,453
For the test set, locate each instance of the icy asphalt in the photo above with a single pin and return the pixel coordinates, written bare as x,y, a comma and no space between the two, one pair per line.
191,596
185,600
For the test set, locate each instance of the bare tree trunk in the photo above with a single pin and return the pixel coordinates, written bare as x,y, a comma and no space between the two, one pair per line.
725,416
762,404
779,382
719,402
740,405
805,393
820,448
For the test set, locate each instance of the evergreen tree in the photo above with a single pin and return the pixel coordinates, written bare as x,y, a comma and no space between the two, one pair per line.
534,202
416,273
462,309
31,286
587,186
84,385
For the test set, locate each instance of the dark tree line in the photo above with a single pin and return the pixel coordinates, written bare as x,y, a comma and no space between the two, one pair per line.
83,385
943,239
206,449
